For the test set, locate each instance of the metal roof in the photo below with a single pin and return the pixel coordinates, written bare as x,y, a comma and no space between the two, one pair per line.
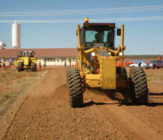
41,52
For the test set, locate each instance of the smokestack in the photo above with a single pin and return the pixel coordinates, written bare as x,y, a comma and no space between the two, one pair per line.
16,35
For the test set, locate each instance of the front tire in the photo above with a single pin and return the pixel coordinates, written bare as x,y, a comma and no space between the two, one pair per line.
33,66
138,86
75,87
20,67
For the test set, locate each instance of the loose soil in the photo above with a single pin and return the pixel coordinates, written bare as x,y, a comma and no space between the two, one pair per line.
44,113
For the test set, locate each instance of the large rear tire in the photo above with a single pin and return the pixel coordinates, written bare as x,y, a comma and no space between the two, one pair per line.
33,66
75,88
20,67
138,86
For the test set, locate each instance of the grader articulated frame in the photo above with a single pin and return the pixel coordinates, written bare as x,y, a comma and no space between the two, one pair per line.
96,65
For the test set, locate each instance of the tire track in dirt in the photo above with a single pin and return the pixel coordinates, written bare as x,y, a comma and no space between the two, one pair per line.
126,121
33,117
129,125
11,123
51,117
89,124
10,110
46,114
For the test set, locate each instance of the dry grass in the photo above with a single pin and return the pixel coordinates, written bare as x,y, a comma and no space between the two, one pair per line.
155,75
11,81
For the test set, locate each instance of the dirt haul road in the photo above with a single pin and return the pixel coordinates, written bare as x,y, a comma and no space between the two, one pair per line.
46,114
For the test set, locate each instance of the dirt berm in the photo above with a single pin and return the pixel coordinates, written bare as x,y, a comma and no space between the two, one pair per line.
45,114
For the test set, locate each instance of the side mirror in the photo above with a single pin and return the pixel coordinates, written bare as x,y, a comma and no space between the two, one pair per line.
118,32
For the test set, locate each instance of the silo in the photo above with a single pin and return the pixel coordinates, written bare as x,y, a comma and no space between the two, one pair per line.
16,35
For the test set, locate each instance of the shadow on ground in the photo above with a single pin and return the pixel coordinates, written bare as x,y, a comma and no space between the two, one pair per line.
87,104
154,94
123,98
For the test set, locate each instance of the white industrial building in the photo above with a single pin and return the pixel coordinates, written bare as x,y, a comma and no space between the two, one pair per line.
48,56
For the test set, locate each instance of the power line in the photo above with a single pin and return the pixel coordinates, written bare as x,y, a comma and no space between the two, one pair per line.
69,12
129,19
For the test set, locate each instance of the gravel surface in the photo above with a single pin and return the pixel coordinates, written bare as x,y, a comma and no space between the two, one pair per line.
45,114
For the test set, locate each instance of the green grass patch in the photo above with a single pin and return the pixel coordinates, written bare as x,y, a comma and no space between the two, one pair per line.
4,98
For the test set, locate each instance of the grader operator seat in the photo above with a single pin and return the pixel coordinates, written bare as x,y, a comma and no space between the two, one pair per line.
97,38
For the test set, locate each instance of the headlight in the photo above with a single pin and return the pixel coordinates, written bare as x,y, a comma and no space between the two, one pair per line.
120,54
109,53
93,54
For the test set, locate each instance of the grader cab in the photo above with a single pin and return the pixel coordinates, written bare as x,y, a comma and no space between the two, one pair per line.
26,60
96,64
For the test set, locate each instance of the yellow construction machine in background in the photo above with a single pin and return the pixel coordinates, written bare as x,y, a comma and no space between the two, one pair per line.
96,64
26,60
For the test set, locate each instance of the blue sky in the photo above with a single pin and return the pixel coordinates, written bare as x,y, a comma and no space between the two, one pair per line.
143,20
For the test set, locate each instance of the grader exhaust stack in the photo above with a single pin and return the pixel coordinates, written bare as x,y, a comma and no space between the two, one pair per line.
122,37
96,64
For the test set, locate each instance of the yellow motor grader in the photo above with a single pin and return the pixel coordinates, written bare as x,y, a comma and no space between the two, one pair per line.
26,60
96,65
